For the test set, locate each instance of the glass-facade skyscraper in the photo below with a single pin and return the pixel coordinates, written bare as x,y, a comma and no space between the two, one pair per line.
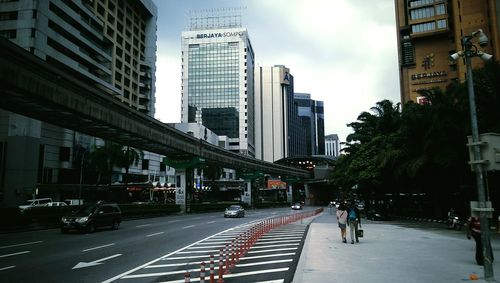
218,83
312,115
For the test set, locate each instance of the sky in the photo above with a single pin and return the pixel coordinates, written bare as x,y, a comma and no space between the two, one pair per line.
342,52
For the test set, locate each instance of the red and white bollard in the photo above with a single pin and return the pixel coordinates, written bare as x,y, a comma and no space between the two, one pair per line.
187,277
202,272
226,252
212,275
221,266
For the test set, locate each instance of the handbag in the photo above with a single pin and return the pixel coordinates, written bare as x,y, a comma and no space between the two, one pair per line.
360,232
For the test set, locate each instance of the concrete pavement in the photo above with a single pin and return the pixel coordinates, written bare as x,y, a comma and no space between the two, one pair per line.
389,252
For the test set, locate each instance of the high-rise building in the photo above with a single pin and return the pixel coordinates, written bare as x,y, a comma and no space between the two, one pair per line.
109,43
311,112
218,78
278,131
332,145
431,30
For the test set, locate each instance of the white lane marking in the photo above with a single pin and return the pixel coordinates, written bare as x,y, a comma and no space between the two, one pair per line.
210,222
189,226
283,234
273,242
233,275
280,238
161,258
196,218
213,243
98,247
172,265
206,247
8,267
197,252
188,257
143,225
154,234
23,244
273,250
273,246
272,281
172,221
19,253
142,275
264,262
95,262
264,256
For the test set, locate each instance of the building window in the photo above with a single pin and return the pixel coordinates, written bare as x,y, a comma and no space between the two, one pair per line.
417,3
441,24
422,13
8,16
145,164
440,9
423,27
64,153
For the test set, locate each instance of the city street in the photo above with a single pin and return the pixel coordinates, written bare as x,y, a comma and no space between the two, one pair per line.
162,249
55,257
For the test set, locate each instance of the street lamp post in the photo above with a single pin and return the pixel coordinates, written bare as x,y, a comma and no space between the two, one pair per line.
470,50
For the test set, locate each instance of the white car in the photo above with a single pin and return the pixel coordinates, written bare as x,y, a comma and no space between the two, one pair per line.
34,202
56,203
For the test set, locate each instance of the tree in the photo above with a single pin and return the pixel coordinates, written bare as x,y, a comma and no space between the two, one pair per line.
129,156
110,155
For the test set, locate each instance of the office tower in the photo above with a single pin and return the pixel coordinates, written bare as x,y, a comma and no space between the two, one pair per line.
108,43
278,131
332,145
431,30
218,77
311,112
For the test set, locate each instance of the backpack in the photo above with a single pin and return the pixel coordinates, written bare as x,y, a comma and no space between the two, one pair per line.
352,215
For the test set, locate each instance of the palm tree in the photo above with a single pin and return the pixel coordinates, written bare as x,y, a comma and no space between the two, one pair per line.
129,156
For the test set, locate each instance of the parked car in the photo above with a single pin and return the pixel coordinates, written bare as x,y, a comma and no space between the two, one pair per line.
234,211
378,214
296,206
91,217
56,203
73,201
34,202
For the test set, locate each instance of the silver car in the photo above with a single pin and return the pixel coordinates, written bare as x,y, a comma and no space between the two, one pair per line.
234,211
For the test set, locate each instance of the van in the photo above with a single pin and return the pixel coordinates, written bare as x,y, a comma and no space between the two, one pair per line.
90,217
34,202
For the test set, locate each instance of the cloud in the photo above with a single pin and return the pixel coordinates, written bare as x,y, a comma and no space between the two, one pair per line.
168,86
343,52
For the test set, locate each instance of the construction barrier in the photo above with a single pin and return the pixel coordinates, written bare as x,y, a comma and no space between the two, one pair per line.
231,253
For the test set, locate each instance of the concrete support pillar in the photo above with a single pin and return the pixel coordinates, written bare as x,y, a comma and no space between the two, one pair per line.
247,193
184,188
289,194
308,197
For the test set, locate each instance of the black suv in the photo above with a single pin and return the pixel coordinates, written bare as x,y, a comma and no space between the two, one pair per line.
90,217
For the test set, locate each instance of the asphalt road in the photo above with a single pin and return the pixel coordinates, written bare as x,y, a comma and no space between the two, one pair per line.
49,256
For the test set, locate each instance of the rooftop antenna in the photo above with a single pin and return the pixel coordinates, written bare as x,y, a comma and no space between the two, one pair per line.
215,18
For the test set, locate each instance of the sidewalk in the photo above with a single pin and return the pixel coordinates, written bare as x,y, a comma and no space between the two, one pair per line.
388,253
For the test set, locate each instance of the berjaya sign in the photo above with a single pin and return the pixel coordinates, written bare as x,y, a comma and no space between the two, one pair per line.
220,34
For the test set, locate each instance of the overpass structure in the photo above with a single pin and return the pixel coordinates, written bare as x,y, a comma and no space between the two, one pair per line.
32,87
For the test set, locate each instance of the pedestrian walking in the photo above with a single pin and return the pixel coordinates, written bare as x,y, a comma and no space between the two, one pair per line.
474,230
353,220
342,220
